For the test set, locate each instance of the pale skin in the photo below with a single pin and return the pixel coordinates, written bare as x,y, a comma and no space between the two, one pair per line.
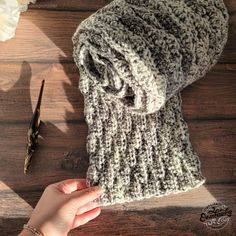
64,206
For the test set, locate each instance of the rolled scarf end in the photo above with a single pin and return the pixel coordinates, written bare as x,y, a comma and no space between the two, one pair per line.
139,92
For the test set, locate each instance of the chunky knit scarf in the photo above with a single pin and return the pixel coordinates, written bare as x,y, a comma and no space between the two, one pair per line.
134,58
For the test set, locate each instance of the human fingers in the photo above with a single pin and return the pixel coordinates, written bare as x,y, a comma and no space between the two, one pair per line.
84,196
87,207
86,217
71,185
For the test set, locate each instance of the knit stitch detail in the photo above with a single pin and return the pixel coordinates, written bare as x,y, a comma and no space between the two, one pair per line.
134,58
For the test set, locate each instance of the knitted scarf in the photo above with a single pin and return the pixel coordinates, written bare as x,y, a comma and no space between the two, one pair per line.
134,58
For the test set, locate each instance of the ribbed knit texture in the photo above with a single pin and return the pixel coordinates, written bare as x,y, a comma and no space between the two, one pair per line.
134,58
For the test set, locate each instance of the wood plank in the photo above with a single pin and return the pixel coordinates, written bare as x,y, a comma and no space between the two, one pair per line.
231,6
41,33
214,141
180,212
72,5
93,5
62,110
56,141
20,86
65,130
43,36
229,52
44,39
212,97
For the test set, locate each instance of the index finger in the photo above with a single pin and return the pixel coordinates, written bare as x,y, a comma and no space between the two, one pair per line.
85,196
71,185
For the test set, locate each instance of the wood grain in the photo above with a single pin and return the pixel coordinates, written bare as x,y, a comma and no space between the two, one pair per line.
42,49
78,5
214,141
65,130
171,215
212,97
72,5
50,32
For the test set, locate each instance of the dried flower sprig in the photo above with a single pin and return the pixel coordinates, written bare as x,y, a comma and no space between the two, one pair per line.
9,16
33,131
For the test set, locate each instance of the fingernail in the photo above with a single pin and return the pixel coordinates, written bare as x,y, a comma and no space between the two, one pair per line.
98,189
96,202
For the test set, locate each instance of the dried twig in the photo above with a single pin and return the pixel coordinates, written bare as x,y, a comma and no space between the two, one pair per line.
33,131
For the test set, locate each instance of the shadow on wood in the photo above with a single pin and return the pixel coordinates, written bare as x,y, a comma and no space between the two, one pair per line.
169,220
13,147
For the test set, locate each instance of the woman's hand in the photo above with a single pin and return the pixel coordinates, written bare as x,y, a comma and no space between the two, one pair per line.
64,206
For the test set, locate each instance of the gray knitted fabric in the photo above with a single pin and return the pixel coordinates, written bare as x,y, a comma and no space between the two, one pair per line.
134,58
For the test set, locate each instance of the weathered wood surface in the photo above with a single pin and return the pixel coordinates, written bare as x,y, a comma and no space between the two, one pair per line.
214,141
72,5
212,97
79,5
173,215
65,129
42,49
50,32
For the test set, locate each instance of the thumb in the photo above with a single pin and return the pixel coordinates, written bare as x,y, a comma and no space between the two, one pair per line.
71,185
84,196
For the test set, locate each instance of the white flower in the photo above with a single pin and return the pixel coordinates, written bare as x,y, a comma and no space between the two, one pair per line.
9,16
24,4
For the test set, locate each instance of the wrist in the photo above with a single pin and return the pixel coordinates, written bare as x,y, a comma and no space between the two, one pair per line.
45,228
29,230
25,232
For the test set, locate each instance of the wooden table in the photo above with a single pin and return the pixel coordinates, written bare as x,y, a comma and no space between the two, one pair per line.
42,49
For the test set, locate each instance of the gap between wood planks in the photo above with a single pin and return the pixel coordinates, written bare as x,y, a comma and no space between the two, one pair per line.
93,5
50,33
